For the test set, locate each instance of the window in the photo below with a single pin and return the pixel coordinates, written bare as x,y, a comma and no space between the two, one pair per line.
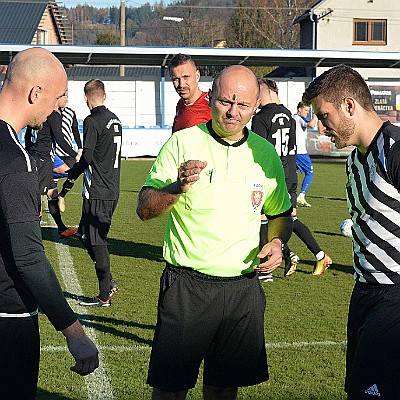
41,36
369,31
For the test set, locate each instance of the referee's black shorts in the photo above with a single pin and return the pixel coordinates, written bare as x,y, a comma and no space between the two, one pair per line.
218,320
373,348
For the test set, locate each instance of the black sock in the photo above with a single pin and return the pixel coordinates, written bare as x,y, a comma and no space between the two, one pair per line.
103,272
306,236
54,211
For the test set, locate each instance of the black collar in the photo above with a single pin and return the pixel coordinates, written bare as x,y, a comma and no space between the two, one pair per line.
224,142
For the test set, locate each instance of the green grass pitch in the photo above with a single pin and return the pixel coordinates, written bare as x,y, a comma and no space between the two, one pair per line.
305,321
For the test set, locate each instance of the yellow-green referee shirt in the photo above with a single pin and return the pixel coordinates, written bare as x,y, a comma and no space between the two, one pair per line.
214,227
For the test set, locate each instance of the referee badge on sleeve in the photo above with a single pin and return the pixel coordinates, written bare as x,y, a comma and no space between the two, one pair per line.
257,195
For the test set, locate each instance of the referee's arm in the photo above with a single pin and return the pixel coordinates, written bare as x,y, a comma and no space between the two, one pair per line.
153,202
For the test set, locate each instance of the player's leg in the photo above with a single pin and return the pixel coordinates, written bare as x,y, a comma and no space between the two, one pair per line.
322,260
19,357
304,165
373,357
98,215
60,171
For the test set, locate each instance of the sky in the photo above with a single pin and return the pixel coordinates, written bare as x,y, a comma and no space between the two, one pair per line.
109,3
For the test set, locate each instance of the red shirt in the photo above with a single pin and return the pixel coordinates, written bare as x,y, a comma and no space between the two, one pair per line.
192,114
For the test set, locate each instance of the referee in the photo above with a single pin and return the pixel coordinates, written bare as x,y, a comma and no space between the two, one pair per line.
100,162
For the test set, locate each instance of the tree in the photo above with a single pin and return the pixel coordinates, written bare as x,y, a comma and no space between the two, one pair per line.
106,38
262,24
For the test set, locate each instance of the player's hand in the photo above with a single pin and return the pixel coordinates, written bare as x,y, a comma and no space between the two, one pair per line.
189,173
82,349
271,257
78,155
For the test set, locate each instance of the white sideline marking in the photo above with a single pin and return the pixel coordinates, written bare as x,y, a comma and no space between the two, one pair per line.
281,345
97,383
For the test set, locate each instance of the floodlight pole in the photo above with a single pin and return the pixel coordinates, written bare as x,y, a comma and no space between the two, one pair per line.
122,35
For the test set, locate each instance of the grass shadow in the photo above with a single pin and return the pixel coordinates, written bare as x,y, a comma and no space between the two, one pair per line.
98,322
45,395
116,247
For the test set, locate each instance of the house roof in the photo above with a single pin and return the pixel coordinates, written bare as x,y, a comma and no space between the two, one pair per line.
20,19
306,14
111,71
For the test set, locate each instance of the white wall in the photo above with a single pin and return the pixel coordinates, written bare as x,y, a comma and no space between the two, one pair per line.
136,103
335,31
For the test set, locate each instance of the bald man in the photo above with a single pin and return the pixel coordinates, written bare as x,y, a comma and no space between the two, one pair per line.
213,180
34,81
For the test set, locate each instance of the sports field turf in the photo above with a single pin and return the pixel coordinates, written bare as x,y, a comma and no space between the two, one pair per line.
305,324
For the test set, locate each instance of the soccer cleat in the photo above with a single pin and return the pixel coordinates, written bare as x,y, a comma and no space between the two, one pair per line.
95,302
68,232
302,203
265,277
61,203
114,289
292,264
322,265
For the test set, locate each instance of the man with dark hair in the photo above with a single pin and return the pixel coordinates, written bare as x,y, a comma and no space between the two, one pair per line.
193,105
275,123
35,80
213,180
101,163
342,101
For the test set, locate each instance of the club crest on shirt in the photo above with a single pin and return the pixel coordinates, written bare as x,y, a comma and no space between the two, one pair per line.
257,195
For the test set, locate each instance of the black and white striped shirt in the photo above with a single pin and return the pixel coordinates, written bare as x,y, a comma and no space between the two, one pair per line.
70,131
373,199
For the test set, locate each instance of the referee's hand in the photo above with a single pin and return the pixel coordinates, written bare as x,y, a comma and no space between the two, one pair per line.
189,173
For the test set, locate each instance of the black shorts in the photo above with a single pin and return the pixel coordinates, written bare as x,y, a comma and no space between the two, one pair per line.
96,220
45,173
373,348
218,320
19,357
